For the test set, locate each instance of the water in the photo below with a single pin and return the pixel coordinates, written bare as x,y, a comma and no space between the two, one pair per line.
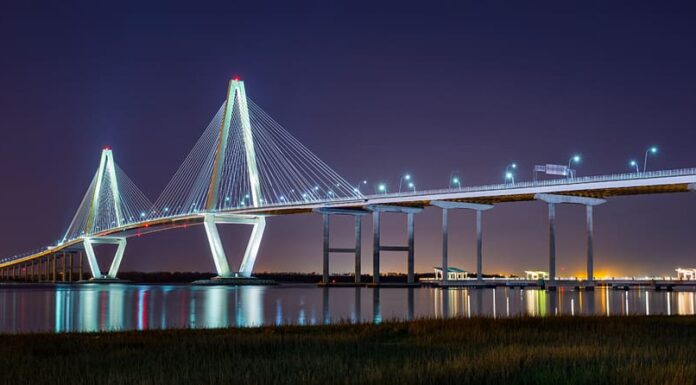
88,308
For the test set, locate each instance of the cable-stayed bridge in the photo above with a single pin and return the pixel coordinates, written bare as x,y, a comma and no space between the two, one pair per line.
246,167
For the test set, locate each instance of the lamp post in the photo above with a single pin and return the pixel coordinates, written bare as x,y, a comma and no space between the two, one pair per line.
634,164
382,188
412,186
651,150
573,159
454,180
357,187
509,172
405,177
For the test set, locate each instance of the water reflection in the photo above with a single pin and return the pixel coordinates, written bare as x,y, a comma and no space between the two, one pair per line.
133,307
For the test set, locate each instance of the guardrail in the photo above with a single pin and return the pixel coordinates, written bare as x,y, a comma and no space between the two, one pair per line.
481,188
547,182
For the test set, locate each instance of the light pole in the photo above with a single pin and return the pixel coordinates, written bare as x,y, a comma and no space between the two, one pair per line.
405,177
455,181
357,187
634,164
573,159
412,186
509,172
651,150
382,188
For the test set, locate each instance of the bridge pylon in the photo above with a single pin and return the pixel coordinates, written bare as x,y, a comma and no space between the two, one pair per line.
237,103
111,201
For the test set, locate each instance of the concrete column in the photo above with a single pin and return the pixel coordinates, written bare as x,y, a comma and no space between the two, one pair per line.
590,247
552,244
358,246
70,268
81,269
445,245
479,245
64,278
411,256
375,247
53,268
325,270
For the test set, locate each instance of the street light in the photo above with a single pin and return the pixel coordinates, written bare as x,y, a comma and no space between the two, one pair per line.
455,181
651,150
382,188
633,163
405,177
357,187
412,186
573,159
509,169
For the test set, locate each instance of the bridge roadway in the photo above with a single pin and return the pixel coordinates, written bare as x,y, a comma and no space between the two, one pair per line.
593,187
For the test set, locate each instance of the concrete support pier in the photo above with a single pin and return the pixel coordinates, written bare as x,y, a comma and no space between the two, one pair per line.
589,203
377,248
590,247
479,208
356,250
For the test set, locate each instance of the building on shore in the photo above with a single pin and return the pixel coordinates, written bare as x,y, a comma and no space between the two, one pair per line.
535,275
686,274
453,273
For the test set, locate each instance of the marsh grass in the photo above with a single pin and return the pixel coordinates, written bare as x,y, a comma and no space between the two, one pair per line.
555,350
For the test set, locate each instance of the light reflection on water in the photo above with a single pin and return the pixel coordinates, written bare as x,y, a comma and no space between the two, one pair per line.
140,307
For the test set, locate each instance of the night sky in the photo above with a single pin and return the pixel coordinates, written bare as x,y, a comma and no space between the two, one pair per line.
375,91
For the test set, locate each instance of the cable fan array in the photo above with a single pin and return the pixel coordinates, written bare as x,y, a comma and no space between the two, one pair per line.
288,173
263,154
109,202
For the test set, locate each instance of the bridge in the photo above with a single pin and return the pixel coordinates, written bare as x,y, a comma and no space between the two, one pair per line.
246,167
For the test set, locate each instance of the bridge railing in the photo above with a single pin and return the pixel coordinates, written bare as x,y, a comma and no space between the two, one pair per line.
481,188
547,182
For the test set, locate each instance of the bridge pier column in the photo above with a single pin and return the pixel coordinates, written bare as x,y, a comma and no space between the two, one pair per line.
325,267
63,276
589,203
358,248
479,208
479,245
82,257
552,246
445,246
53,268
89,243
590,247
326,214
70,268
377,246
218,252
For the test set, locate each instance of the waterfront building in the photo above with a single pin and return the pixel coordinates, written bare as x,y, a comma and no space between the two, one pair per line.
686,274
453,274
534,275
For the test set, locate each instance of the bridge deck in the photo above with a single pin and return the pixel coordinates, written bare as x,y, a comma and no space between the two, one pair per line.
606,186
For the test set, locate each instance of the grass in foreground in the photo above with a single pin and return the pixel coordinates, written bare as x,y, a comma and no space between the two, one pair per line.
556,350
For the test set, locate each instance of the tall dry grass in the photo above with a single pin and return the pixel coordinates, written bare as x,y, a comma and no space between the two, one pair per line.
556,350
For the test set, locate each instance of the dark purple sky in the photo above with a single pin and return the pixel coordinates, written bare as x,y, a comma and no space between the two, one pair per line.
375,92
